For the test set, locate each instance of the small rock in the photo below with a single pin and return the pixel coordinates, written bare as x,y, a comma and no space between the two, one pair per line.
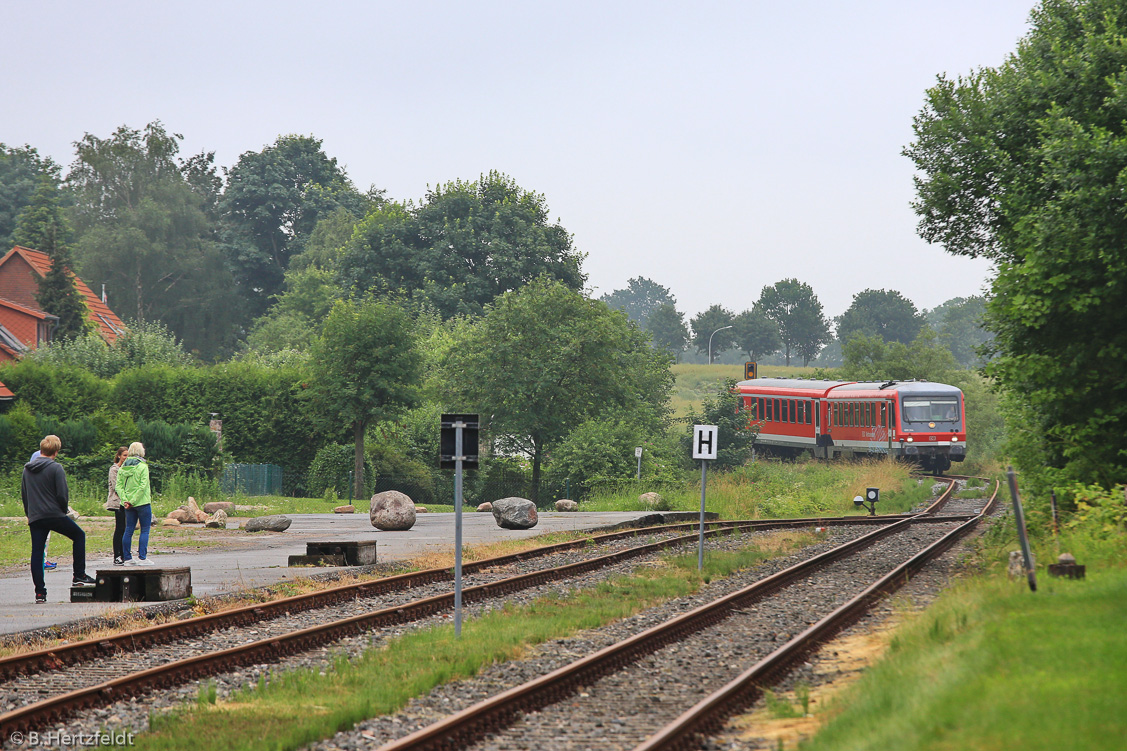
168,521
349,509
653,500
392,511
487,506
272,523
212,506
1066,558
566,505
421,510
179,516
515,513
218,520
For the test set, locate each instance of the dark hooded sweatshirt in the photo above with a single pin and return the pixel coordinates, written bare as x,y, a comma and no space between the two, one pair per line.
44,489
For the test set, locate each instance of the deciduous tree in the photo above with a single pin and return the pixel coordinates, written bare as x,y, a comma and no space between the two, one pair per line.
712,327
142,230
1023,164
795,308
272,202
467,243
756,334
544,359
640,299
366,368
666,325
21,170
883,313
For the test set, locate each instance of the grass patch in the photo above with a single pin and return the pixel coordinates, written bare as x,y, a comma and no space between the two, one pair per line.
296,708
767,489
993,666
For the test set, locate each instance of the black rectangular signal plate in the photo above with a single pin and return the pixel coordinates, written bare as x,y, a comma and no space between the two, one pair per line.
447,437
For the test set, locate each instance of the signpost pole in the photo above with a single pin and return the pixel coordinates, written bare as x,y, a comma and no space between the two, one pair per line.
700,542
704,448
458,529
638,453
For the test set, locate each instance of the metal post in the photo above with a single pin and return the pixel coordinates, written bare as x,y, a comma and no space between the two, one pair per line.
1019,518
1056,519
458,528
639,475
700,542
351,484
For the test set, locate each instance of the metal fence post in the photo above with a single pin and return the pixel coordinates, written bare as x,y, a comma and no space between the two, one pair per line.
1019,518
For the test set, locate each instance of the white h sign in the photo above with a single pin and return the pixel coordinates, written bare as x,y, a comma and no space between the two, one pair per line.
704,441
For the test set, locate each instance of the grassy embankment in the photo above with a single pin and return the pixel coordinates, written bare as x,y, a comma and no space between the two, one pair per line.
992,665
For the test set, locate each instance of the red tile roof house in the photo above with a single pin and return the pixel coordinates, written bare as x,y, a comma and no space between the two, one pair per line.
23,326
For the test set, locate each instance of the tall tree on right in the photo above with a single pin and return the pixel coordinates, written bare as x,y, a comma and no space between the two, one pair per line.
879,312
794,307
1023,165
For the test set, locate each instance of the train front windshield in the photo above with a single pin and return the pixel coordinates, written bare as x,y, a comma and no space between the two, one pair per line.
931,409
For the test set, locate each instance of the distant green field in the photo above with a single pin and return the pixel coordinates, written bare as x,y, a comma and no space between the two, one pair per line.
695,382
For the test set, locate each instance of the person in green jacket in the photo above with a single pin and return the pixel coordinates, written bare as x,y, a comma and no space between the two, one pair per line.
133,490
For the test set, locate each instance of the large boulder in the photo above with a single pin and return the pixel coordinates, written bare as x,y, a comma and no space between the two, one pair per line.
565,504
212,506
273,523
392,511
217,520
515,513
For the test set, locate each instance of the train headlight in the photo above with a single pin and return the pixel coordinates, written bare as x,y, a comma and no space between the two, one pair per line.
910,439
954,439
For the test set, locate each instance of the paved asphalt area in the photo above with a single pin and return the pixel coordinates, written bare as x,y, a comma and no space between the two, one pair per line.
260,559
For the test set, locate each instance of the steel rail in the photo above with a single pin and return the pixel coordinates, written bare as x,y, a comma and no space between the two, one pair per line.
55,708
708,715
56,657
496,712
63,655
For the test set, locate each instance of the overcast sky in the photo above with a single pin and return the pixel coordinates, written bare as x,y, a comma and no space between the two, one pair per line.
712,147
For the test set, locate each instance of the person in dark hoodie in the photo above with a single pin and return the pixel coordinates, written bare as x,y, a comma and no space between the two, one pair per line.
43,489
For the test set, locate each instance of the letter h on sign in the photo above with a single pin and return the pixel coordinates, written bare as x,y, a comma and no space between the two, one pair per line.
704,441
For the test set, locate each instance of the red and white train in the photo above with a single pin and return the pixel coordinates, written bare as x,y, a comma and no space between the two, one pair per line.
915,420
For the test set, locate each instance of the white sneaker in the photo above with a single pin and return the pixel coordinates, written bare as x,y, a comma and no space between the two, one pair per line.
130,562
143,562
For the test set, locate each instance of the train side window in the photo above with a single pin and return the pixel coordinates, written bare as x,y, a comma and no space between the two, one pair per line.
789,410
852,414
762,408
778,410
883,415
868,414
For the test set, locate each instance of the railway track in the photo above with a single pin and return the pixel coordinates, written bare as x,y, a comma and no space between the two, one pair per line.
153,658
611,700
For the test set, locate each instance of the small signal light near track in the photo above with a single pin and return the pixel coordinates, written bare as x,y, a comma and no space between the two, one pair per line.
872,495
750,370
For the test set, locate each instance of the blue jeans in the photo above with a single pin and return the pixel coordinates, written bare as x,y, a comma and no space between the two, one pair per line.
65,527
132,515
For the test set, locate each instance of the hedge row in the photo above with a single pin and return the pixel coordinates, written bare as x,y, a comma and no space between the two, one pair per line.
264,409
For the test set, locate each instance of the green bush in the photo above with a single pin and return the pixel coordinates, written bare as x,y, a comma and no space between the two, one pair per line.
19,436
330,470
78,436
603,450
65,392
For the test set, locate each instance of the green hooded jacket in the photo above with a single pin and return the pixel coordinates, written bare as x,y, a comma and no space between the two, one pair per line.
133,482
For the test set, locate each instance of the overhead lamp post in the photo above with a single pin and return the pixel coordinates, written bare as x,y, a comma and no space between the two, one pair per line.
710,341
